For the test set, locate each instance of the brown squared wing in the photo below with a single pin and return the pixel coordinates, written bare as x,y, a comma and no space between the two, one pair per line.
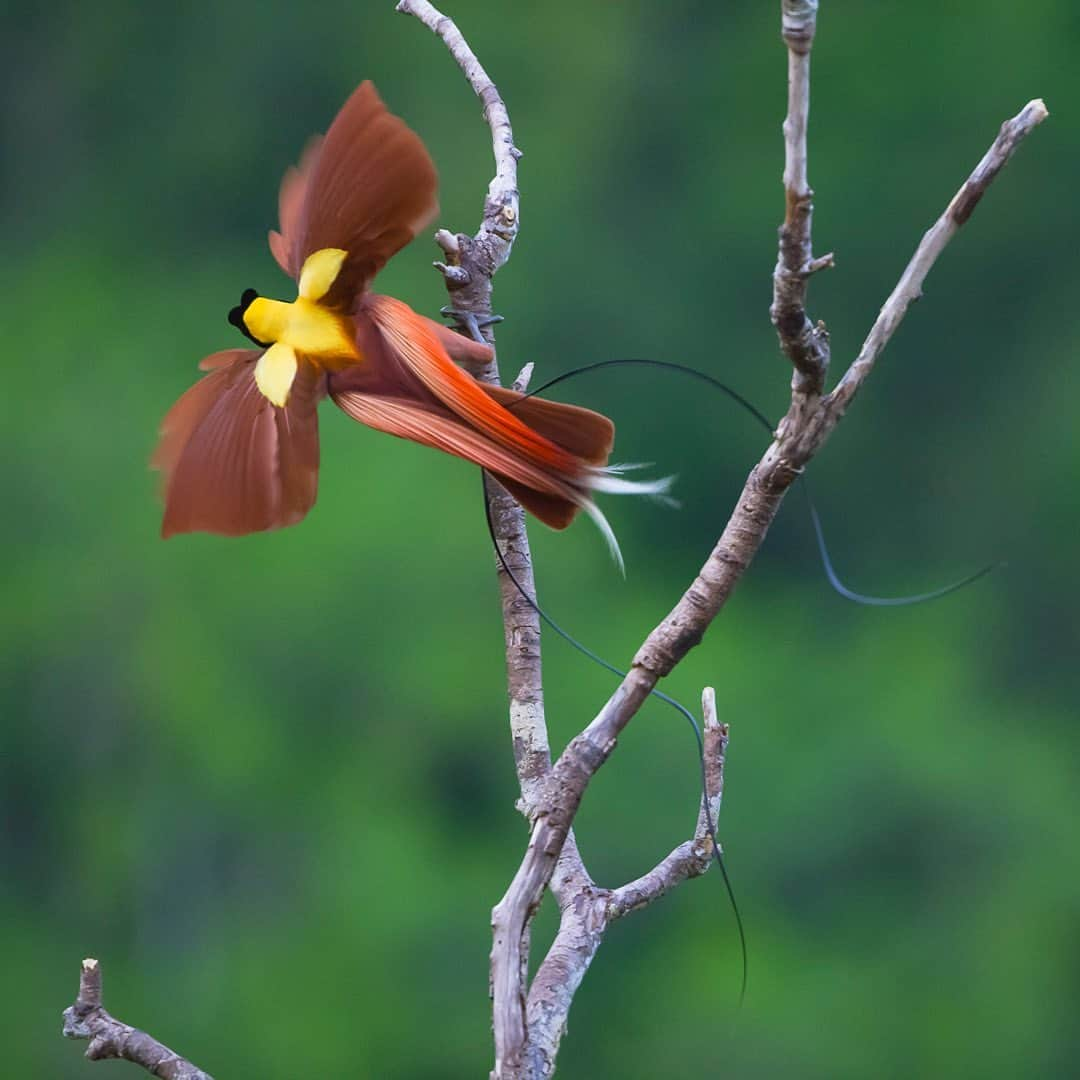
231,462
368,187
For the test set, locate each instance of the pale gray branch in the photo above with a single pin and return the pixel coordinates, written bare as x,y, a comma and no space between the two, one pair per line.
471,261
909,287
109,1038
501,211
805,345
692,857
801,434
529,1022
587,910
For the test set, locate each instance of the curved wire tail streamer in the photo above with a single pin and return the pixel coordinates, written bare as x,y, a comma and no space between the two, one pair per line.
826,560
710,825
661,493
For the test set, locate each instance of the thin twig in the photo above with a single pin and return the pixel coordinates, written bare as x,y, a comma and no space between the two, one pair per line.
501,211
805,345
909,287
109,1038
692,857
587,910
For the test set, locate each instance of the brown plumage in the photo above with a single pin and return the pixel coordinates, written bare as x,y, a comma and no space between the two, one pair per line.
235,462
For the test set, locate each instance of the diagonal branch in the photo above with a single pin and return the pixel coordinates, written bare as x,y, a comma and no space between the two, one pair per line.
909,287
801,434
528,1028
109,1038
586,910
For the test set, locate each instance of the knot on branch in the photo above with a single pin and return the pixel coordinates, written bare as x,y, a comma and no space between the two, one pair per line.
501,215
798,24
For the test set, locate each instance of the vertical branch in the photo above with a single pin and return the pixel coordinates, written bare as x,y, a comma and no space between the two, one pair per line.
805,345
471,261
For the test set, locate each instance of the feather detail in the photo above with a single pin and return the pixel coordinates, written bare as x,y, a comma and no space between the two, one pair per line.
460,349
586,434
416,347
368,187
290,204
231,462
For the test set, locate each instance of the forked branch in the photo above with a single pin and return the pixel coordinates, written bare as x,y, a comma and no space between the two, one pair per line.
528,1024
529,1019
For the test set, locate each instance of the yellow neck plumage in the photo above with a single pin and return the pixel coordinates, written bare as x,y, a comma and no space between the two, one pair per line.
304,326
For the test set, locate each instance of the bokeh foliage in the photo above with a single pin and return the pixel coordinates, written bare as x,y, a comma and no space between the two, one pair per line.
268,781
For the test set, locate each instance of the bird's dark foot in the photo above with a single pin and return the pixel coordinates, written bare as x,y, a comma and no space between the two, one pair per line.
468,323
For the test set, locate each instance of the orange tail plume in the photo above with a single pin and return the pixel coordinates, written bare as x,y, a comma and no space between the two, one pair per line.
586,434
417,349
552,457
231,462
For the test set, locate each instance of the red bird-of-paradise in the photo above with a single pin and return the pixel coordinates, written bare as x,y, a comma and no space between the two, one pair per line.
239,451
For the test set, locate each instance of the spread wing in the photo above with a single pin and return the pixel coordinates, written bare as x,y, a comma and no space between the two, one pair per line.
231,462
368,187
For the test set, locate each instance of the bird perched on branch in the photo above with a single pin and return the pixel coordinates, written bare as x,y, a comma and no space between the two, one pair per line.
239,451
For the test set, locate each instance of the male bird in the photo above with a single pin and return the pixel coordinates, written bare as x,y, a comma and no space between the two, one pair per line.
239,451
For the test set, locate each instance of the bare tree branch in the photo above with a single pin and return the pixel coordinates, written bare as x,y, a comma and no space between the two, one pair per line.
805,345
587,910
692,857
529,1020
471,261
909,287
802,432
109,1038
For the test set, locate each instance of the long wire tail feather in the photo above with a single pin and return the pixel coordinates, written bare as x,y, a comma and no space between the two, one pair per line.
611,481
660,695
880,601
829,569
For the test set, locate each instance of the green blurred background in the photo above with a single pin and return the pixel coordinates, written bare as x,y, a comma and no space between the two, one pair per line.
268,781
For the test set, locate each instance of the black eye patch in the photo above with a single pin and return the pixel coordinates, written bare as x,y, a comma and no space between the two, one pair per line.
236,317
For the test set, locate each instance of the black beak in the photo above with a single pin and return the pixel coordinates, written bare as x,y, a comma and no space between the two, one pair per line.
236,317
